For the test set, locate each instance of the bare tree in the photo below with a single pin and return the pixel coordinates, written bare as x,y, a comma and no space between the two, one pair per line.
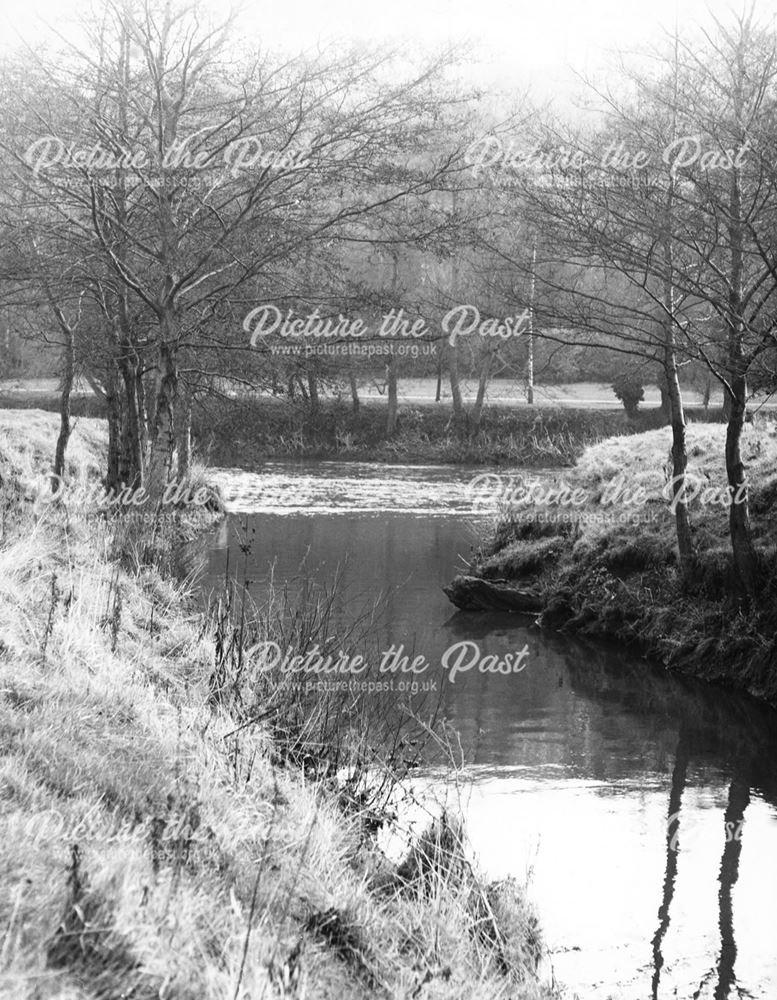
210,176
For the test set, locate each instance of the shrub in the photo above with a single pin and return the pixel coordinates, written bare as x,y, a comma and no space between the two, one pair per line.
629,390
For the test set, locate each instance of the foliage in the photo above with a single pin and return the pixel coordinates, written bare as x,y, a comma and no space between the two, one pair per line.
629,389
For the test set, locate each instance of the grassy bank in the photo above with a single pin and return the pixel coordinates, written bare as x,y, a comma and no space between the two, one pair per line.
239,433
168,829
242,433
610,569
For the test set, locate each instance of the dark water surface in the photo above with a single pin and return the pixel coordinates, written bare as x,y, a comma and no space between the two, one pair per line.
574,762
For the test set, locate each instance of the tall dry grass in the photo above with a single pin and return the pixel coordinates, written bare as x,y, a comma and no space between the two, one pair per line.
162,842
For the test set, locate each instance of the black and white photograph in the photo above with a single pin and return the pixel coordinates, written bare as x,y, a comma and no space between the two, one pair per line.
388,500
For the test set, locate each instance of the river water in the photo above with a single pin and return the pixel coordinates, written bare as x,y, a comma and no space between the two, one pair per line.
575,761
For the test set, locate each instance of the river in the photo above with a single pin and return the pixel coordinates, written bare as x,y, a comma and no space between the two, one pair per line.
575,761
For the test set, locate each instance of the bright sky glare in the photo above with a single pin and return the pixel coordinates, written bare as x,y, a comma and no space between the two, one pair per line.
515,42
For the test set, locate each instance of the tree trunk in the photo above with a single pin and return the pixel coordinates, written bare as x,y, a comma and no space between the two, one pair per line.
64,408
671,396
671,385
354,391
453,372
743,550
726,405
67,388
135,401
391,380
477,409
739,515
147,408
313,391
453,357
126,474
530,357
391,372
161,465
113,476
183,431
679,464
132,464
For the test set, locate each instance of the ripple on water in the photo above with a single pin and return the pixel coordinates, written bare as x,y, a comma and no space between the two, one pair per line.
345,488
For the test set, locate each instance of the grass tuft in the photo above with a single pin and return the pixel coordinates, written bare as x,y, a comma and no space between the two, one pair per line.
174,826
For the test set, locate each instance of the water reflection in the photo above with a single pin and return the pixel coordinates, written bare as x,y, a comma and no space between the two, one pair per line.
738,801
676,788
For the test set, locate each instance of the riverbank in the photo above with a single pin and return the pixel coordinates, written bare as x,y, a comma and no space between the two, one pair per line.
243,432
607,566
165,834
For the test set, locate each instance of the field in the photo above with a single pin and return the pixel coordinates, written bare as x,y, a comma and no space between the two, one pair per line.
501,392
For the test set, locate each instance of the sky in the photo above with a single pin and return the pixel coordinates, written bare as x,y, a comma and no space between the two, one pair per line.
544,44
